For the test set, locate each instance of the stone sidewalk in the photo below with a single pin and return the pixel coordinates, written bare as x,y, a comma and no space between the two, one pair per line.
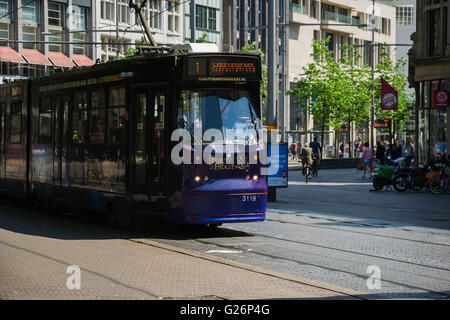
38,249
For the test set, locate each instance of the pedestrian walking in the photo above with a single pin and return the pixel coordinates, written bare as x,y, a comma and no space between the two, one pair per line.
366,158
408,152
380,152
293,148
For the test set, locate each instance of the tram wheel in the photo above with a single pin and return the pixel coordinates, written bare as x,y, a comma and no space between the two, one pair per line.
213,226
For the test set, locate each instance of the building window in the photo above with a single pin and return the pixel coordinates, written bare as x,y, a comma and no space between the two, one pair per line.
55,14
79,22
173,16
124,12
79,18
328,12
30,12
404,15
313,8
4,33
29,34
5,9
206,18
155,16
298,6
212,19
433,32
56,35
108,10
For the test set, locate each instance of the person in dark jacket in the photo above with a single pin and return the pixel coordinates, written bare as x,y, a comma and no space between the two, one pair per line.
380,152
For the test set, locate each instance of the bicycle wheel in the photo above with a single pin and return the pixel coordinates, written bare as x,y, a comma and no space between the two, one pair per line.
417,183
437,185
308,174
400,183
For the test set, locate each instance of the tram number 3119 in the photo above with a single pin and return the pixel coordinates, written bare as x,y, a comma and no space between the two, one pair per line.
248,198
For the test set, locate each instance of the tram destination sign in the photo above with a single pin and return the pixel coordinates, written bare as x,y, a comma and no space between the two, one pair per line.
222,69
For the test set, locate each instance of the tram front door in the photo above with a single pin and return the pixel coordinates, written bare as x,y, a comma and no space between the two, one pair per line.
149,157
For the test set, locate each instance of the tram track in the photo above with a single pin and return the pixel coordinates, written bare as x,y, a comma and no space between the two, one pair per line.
356,232
363,277
159,234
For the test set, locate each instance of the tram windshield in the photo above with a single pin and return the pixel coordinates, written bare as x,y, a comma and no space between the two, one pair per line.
232,112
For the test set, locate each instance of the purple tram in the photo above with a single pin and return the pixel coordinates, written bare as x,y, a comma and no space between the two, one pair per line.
101,139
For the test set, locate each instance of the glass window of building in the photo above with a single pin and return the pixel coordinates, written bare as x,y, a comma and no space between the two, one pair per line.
79,22
5,8
124,11
30,12
4,33
108,10
201,17
404,15
55,14
29,34
212,19
56,36
173,16
155,16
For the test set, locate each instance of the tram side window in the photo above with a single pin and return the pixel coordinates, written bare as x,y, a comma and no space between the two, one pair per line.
97,114
45,121
116,116
16,123
79,117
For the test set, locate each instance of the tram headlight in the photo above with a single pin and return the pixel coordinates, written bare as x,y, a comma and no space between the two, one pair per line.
255,178
198,179
248,178
206,179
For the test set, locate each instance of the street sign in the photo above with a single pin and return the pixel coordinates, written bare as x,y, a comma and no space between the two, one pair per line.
385,123
279,165
439,98
389,96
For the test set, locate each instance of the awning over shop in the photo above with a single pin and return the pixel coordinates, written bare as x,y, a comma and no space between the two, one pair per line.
9,54
35,57
82,61
60,60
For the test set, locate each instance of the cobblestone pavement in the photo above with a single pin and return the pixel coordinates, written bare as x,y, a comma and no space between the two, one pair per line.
334,228
36,250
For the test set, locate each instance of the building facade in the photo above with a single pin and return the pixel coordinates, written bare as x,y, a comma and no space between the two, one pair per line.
208,21
37,37
118,28
429,74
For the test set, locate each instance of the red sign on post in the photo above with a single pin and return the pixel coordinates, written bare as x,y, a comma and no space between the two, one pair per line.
439,98
389,96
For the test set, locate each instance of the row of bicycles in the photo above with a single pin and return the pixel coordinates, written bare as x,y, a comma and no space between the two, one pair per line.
433,176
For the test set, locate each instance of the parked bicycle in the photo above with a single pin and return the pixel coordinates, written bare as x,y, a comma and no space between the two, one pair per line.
410,179
441,183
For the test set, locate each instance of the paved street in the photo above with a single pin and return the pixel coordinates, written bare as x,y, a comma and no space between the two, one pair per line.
317,242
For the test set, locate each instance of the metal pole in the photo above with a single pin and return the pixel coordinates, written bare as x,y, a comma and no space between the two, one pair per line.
271,77
192,21
372,117
117,29
271,83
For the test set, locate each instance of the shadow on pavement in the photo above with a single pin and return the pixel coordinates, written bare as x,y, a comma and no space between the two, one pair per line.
21,219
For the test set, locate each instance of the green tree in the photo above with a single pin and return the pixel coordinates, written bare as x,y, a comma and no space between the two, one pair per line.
392,72
203,39
134,51
337,90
